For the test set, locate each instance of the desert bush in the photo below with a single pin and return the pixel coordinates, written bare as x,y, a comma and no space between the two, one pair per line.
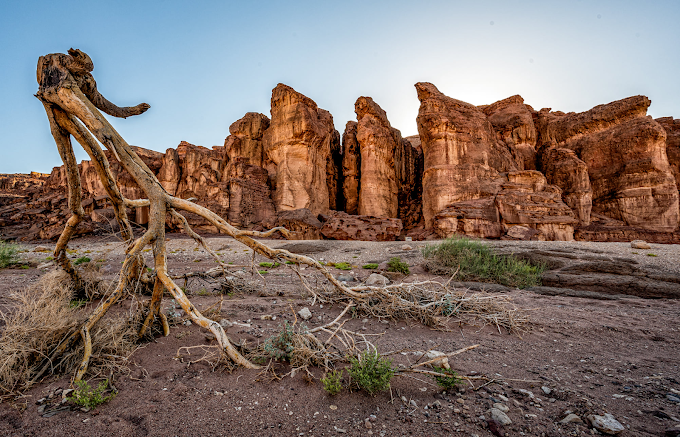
371,372
82,260
472,260
332,382
91,397
448,379
370,266
9,254
39,318
396,265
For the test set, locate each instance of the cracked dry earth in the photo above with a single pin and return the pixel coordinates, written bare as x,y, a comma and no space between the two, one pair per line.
581,355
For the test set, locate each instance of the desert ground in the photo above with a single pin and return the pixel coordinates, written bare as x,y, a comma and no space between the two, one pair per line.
577,355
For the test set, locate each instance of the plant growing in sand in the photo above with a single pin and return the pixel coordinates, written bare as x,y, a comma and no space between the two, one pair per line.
370,266
397,265
371,372
9,254
473,260
91,397
332,382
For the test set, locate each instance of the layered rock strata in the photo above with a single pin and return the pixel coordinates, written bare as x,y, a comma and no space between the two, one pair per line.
513,123
625,154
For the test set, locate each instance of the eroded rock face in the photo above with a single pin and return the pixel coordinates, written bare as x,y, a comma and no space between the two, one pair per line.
625,153
299,142
563,168
672,128
527,200
462,159
339,225
351,168
302,222
513,123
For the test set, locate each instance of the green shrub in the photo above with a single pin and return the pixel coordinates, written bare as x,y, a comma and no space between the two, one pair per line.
370,266
263,272
280,346
448,380
332,382
269,264
371,372
82,260
89,397
8,254
343,266
475,261
396,265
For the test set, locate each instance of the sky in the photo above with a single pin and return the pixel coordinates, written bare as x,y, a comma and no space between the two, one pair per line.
202,65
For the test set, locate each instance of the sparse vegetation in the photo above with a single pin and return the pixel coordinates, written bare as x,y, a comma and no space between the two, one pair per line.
280,346
82,260
448,380
397,265
269,265
370,266
371,372
89,397
343,266
652,254
8,254
472,260
332,382
263,272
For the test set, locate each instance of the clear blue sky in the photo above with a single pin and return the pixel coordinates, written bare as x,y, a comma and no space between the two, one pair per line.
201,65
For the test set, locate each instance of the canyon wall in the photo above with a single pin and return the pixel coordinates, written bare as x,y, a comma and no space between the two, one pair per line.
502,170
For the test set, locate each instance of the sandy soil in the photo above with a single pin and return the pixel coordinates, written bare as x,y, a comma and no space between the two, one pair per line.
582,355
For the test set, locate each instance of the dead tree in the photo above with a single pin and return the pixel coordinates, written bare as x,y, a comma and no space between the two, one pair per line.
72,102
70,97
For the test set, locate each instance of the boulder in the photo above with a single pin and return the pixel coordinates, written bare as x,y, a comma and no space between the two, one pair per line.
339,225
476,218
527,199
624,151
301,222
299,142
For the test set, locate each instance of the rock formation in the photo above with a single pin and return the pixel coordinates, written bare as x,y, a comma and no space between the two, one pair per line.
607,174
672,128
338,225
513,123
625,153
300,142
461,156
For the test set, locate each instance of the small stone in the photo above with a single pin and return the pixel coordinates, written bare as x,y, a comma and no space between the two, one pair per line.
460,400
345,278
267,317
46,265
333,407
406,247
404,400
41,409
187,323
499,416
640,244
372,418
526,392
42,249
368,424
209,337
502,407
503,398
571,418
546,390
413,403
66,392
305,314
377,279
606,424
673,398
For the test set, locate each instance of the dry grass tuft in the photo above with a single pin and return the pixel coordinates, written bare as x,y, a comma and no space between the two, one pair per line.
41,316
